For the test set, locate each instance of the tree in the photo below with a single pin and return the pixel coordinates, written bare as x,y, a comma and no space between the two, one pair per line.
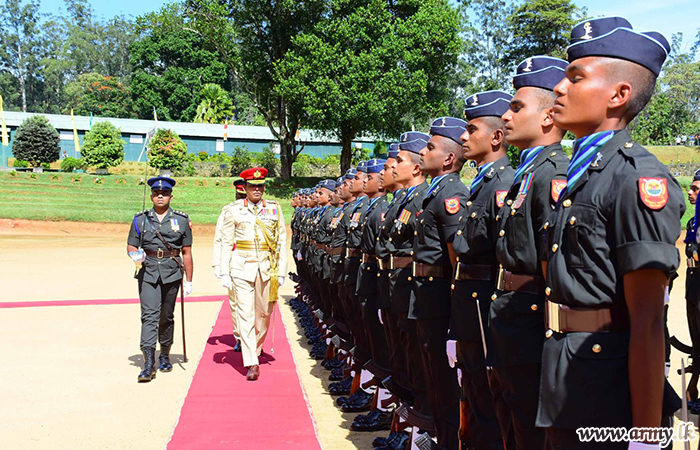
659,122
541,27
369,68
216,105
490,38
167,150
171,64
36,141
103,146
92,93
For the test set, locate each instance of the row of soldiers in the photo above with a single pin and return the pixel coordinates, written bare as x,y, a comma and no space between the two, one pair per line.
509,314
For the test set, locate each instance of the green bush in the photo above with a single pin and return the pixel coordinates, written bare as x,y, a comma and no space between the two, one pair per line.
167,151
70,164
103,147
241,159
36,141
20,164
268,160
360,154
46,166
203,156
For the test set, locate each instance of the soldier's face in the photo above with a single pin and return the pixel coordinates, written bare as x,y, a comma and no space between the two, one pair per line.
693,192
161,199
477,140
386,176
254,192
403,171
583,97
526,119
371,184
357,183
323,196
433,156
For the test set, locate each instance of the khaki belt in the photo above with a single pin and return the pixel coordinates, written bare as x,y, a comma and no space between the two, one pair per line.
692,264
426,270
250,246
384,264
366,258
509,281
476,272
353,253
160,253
333,251
565,319
401,262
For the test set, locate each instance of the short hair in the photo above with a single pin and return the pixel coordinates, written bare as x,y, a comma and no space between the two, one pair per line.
456,149
643,83
496,123
546,98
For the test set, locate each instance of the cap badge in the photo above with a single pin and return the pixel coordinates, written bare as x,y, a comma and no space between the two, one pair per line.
475,100
528,65
588,29
443,121
404,138
257,174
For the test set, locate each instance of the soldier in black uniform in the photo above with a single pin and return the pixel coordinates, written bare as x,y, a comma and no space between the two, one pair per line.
692,285
161,271
322,238
610,245
475,272
433,265
517,311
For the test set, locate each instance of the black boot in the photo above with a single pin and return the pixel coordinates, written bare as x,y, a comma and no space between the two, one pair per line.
164,359
149,359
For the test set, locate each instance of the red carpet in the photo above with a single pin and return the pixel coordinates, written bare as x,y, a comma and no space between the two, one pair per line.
224,411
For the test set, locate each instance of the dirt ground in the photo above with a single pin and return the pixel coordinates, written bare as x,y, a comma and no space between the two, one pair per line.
68,376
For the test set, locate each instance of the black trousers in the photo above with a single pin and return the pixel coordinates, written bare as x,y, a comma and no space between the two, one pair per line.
397,354
692,303
519,386
414,361
374,330
157,312
441,380
484,425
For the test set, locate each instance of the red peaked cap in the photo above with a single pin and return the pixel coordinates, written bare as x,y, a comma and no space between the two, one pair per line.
255,175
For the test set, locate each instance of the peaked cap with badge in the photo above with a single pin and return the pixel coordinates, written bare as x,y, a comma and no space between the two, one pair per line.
239,184
362,166
542,72
393,151
328,184
161,183
255,175
375,165
449,127
413,141
487,103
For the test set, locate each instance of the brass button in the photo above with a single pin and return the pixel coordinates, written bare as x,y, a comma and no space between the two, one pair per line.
430,278
546,225
411,252
629,145
379,275
533,307
415,233
453,287
549,334
377,238
597,348
567,203
547,290
474,294
502,233
421,221
459,233
502,167
409,278
494,297
469,203
473,215
572,220
421,211
458,258
498,217
555,247
509,202
460,218
513,211
390,239
553,154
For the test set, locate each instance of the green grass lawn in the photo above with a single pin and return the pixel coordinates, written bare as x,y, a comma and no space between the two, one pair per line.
672,154
46,198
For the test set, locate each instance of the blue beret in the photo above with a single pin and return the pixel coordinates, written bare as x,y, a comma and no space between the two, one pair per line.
350,174
613,37
393,150
375,165
489,103
327,184
449,127
362,166
542,72
413,141
161,183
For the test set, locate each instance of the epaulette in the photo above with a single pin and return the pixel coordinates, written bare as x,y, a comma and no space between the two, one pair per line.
180,213
141,212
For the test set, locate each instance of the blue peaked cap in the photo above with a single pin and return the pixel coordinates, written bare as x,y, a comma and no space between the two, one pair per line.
613,37
350,174
449,127
327,184
393,151
161,183
488,103
542,72
362,166
375,165
413,141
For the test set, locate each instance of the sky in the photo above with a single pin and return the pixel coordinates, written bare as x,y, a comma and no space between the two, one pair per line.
665,16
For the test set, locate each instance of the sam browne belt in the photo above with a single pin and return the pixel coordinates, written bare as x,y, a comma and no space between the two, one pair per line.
160,253
509,281
565,319
476,272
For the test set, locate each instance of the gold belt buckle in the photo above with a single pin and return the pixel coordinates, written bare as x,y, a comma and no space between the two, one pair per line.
413,268
500,281
553,316
391,262
457,271
691,263
159,253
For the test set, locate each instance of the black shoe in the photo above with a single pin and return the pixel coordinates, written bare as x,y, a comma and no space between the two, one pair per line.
149,359
382,442
370,417
164,359
361,403
237,347
376,420
396,441
336,375
341,387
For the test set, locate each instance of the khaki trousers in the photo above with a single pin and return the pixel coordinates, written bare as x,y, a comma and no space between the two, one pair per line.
253,318
234,312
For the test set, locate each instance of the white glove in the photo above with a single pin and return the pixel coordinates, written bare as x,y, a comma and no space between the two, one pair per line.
217,271
188,288
281,280
137,256
459,376
642,446
379,313
451,349
226,282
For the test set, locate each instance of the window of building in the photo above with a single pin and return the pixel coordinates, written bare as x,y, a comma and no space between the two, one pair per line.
66,135
219,145
136,139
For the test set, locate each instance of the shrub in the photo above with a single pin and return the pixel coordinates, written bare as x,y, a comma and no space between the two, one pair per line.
268,160
98,180
55,177
46,166
203,156
241,159
103,147
36,141
19,163
167,151
70,164
32,176
76,178
13,173
120,180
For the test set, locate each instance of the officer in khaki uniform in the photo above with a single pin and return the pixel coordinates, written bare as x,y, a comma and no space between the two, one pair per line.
239,184
253,271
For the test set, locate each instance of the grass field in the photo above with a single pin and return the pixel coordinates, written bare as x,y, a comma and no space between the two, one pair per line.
672,154
57,196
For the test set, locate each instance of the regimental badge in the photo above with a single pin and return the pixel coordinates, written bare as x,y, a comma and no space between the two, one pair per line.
654,192
443,121
404,216
475,101
528,65
257,174
174,225
557,188
588,29
452,205
501,198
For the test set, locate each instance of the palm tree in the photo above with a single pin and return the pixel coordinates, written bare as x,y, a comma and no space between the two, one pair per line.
215,106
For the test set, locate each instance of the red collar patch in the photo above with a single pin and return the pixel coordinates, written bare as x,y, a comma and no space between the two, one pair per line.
653,192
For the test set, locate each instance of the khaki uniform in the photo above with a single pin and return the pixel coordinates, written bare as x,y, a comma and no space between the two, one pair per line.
216,261
250,268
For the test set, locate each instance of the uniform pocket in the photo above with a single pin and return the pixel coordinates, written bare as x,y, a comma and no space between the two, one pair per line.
581,231
518,229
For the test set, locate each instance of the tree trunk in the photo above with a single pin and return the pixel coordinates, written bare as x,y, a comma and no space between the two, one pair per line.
287,156
346,136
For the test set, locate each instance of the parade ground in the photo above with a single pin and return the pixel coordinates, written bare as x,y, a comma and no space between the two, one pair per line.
69,339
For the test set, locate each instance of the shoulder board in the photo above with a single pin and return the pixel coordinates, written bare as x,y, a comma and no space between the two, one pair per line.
141,212
180,213
272,202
